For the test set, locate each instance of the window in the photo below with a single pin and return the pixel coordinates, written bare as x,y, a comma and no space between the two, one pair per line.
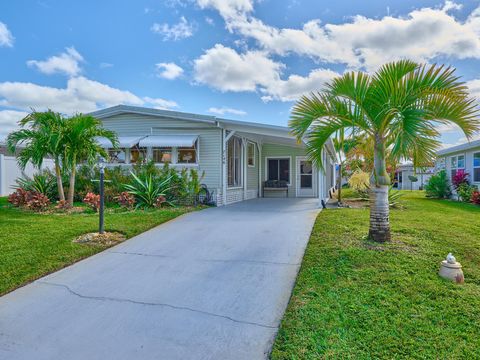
138,155
162,154
476,167
234,162
278,169
187,155
251,154
116,156
456,163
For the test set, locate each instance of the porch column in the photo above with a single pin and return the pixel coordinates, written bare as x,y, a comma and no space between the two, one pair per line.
259,147
224,167
244,164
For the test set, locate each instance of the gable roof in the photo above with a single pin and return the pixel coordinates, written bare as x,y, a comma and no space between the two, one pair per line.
462,147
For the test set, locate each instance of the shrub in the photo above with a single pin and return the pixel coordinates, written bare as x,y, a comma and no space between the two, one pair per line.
31,200
126,200
438,186
475,197
87,181
460,178
160,201
147,190
18,198
359,181
37,201
43,182
62,205
92,200
465,191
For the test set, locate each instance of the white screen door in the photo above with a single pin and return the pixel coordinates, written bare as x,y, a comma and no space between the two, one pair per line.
305,178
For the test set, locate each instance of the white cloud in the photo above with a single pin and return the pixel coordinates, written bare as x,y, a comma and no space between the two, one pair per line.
209,21
80,95
8,121
67,63
226,70
362,42
183,29
474,88
168,71
223,68
158,103
226,110
6,37
105,65
295,85
228,8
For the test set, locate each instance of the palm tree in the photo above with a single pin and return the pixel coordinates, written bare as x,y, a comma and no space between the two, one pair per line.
397,108
81,145
41,136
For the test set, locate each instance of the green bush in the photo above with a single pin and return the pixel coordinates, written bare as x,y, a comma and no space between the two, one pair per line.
44,183
465,192
148,191
438,186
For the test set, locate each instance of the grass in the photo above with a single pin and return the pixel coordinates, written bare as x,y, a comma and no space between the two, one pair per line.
355,299
32,245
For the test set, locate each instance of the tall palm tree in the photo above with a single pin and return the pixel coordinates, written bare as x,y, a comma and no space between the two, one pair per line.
81,145
397,107
41,136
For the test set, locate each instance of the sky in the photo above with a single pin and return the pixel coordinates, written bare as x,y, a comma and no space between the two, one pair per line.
239,59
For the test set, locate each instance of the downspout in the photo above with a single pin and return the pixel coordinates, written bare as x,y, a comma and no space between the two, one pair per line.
260,187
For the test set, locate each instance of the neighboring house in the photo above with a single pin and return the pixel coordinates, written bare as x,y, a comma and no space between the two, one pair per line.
462,157
237,157
405,170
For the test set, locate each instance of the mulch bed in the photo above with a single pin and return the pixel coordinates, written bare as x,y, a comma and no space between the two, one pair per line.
105,239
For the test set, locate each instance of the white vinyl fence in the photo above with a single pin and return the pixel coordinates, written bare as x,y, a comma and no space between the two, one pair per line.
10,171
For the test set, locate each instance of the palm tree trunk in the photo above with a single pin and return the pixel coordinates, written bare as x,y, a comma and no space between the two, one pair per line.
58,174
339,183
379,209
71,186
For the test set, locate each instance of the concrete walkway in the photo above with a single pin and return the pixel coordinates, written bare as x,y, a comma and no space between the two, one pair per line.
213,284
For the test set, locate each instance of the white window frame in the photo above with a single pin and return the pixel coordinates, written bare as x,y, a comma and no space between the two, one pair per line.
475,167
456,161
279,158
251,143
240,177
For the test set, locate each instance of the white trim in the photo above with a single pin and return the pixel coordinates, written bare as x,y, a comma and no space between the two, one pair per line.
249,142
279,157
475,167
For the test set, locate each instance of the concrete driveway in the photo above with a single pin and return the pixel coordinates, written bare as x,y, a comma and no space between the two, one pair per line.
213,284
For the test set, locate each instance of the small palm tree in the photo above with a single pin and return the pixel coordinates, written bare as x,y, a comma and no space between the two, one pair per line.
397,108
80,145
41,136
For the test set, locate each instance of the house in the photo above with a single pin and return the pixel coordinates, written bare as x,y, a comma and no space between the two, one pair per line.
464,157
241,160
403,173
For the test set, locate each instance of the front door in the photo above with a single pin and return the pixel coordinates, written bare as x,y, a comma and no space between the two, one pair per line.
305,178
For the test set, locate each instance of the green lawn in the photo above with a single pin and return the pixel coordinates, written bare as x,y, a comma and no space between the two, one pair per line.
32,245
358,300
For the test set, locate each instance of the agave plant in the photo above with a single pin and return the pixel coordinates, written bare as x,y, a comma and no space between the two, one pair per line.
147,190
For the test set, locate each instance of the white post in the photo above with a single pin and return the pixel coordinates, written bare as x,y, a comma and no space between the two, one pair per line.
320,183
259,146
244,158
224,167
3,175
